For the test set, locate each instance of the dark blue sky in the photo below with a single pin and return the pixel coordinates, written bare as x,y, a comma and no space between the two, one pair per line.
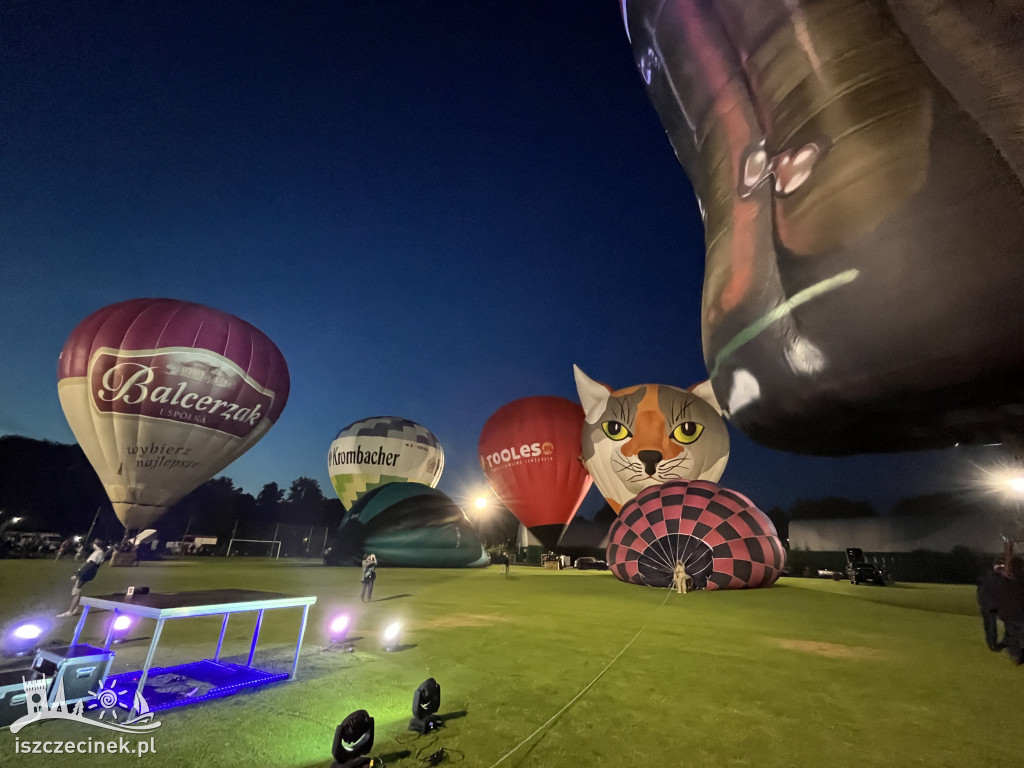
432,209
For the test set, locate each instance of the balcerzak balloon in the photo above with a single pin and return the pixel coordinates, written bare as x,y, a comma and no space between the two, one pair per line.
859,169
163,394
649,434
379,450
714,535
530,454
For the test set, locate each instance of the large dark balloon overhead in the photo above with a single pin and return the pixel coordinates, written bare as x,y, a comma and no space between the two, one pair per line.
409,524
859,169
530,454
716,535
163,394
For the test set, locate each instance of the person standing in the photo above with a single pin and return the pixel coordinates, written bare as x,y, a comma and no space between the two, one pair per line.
86,574
1010,608
66,546
990,583
369,576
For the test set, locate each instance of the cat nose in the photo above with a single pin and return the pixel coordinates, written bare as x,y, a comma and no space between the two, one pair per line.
650,460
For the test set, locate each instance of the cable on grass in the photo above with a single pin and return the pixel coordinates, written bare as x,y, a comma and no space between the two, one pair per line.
440,755
586,688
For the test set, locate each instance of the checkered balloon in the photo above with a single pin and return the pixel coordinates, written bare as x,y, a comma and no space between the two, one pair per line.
717,536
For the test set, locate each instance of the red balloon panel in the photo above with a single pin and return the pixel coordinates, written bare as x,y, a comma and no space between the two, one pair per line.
530,454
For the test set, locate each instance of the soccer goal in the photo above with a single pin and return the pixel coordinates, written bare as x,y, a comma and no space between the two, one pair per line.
274,548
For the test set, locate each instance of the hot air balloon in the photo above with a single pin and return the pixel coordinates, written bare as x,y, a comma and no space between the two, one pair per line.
649,434
713,535
407,524
163,394
860,172
530,455
379,450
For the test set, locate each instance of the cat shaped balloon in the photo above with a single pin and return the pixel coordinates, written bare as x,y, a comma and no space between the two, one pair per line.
650,434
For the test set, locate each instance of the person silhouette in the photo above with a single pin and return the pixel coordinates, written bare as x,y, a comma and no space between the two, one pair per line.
369,576
86,574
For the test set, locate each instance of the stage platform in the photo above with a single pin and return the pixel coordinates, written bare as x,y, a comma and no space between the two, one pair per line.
200,680
185,684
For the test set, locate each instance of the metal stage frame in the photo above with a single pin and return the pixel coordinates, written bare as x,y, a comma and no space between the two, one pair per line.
182,605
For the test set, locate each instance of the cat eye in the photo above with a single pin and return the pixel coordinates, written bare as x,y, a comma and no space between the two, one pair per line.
687,432
615,430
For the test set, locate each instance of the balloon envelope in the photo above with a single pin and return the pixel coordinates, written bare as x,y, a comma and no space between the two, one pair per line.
647,435
409,524
860,171
530,455
718,536
379,450
163,394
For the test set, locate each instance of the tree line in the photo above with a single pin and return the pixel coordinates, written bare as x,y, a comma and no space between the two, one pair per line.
53,487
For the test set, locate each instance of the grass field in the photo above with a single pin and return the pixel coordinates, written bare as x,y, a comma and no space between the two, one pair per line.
806,673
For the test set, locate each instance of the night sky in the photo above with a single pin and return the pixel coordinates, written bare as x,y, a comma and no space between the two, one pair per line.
431,208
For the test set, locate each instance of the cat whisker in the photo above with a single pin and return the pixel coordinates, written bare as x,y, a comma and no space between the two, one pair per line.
683,458
622,461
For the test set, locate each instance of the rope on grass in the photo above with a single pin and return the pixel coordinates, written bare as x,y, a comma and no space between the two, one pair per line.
586,688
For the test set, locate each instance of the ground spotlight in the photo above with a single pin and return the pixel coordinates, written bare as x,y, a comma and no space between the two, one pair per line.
25,637
353,738
392,636
120,627
425,703
337,632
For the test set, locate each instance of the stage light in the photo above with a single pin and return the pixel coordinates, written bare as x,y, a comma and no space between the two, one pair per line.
425,703
28,632
392,634
337,633
120,627
24,637
353,738
338,628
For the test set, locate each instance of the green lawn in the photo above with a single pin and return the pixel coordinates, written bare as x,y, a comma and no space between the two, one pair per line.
807,673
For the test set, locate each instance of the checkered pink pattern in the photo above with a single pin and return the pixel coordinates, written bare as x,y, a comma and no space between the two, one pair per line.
723,540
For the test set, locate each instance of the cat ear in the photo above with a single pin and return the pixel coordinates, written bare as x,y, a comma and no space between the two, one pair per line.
704,391
593,395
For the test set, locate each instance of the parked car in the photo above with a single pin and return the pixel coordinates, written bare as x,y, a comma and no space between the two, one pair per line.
590,564
860,571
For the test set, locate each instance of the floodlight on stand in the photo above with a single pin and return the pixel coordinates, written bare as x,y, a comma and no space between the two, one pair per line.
392,636
353,738
425,703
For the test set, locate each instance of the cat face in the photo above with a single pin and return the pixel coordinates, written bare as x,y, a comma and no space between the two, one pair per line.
649,434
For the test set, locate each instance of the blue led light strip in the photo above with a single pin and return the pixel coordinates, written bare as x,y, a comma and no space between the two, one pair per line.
253,678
